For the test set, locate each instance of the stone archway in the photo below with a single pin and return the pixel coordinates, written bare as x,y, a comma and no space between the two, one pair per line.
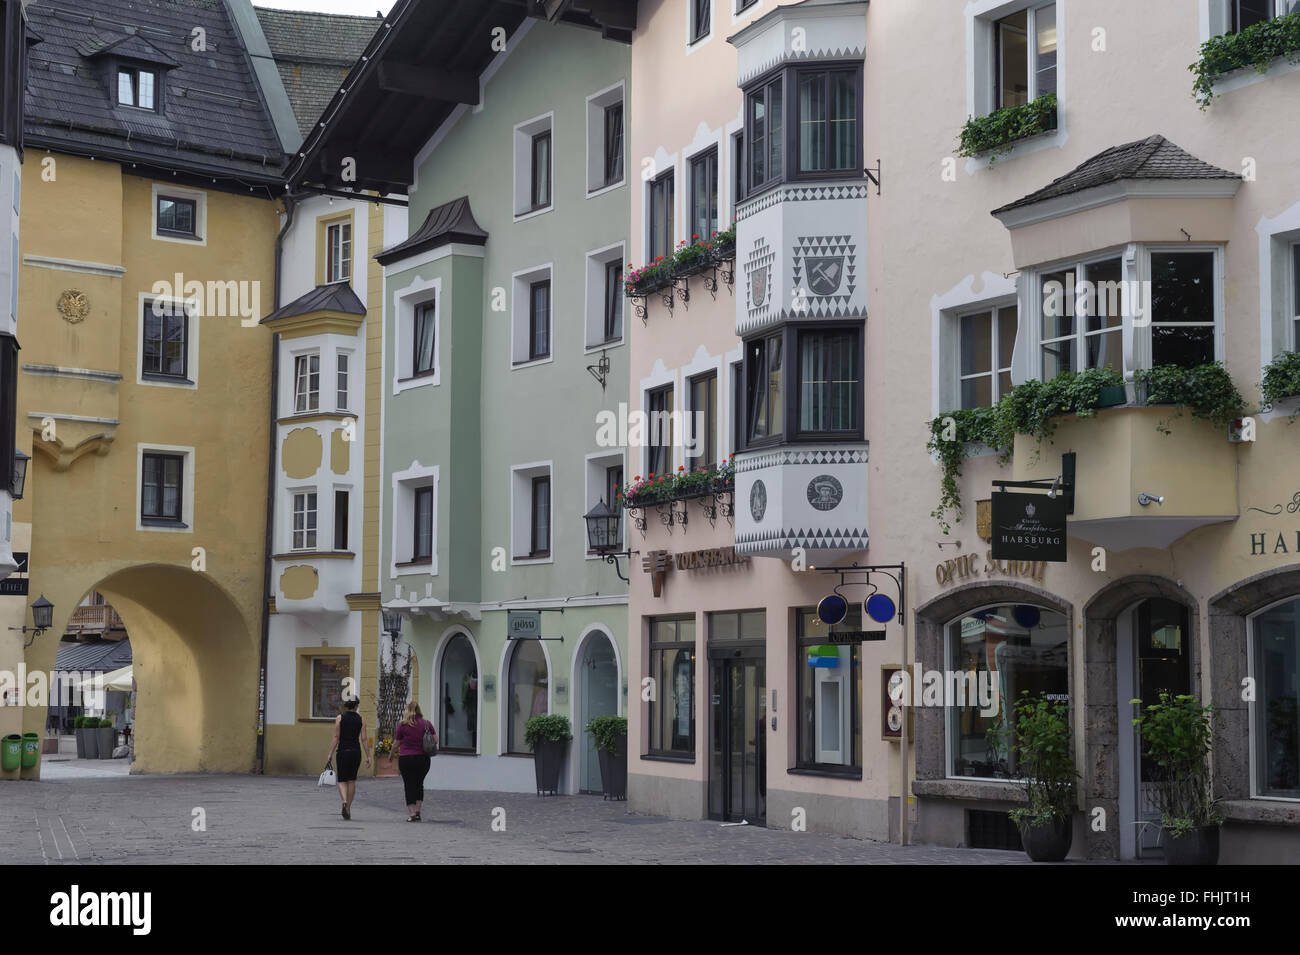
1101,767
196,661
1229,611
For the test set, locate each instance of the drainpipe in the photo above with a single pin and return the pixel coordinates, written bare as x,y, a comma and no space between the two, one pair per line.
289,208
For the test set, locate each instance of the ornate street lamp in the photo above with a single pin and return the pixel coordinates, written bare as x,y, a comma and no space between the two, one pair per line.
392,622
603,533
42,618
20,474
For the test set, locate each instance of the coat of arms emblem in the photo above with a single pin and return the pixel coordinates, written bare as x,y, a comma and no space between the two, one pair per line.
825,273
758,287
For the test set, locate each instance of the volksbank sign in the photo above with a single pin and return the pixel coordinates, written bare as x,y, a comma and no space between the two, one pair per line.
1028,527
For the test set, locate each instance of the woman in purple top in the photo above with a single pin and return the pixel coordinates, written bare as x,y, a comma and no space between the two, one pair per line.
411,761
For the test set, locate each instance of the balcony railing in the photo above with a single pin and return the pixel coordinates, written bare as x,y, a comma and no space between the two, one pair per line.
94,618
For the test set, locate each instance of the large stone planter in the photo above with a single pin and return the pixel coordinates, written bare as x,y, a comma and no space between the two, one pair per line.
80,734
1198,847
107,741
90,736
613,770
548,760
1049,843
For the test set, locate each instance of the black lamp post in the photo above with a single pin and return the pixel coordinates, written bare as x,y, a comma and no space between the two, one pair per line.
20,474
42,618
603,535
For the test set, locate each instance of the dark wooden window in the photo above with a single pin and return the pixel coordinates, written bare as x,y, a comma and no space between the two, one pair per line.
764,124
704,196
341,520
661,216
541,180
162,488
540,545
178,217
701,17
704,419
422,547
613,300
827,118
423,345
764,391
539,319
165,340
613,143
659,460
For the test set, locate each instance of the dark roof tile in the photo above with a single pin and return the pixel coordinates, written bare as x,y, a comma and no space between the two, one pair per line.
335,297
1152,158
450,222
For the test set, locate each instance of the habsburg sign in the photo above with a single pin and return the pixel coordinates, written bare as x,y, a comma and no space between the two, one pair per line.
1028,527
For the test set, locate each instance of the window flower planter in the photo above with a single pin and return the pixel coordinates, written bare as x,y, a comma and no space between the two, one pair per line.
689,259
1003,128
1281,378
684,485
1255,47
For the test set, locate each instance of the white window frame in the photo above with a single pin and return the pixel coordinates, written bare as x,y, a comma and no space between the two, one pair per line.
702,364
300,380
995,289
596,465
521,512
980,16
187,486
523,173
520,303
1136,266
405,300
597,261
136,72
715,140
693,44
994,309
402,527
344,356
1031,40
597,103
200,200
740,12
294,495
333,229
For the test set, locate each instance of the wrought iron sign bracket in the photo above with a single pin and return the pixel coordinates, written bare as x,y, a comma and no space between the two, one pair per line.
895,572
875,176
600,370
1063,485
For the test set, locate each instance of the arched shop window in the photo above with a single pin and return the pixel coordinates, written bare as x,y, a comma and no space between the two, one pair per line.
993,655
526,696
459,683
1276,717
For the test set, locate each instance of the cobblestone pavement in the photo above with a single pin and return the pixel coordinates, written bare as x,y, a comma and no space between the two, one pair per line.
269,819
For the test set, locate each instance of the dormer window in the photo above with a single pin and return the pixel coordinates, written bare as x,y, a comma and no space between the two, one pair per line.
135,87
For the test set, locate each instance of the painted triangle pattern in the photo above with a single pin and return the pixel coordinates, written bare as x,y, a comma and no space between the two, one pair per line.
830,539
816,246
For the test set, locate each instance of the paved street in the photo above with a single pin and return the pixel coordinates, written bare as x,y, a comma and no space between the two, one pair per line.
110,818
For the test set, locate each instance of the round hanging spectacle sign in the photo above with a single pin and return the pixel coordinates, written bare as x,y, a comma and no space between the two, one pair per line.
832,609
879,608
1027,615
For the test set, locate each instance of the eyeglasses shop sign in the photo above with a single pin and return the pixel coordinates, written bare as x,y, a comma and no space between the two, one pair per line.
1028,527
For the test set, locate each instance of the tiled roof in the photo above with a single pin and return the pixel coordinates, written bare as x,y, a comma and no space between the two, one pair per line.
335,297
1152,158
450,222
314,52
100,656
213,119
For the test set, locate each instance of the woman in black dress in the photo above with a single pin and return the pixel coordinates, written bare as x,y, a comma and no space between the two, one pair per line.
351,742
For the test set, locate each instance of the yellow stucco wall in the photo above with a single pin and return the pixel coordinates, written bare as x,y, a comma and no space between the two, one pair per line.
195,633
301,453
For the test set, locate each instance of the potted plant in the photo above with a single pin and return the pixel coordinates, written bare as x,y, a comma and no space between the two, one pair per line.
79,731
548,735
1176,735
91,736
107,736
1042,749
609,733
385,757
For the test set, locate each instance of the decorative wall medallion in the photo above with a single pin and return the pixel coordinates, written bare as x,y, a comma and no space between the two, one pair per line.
825,273
758,501
74,306
825,492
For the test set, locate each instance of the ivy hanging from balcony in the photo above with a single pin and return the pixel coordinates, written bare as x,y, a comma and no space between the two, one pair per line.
1003,128
1255,47
1281,378
1028,408
1207,391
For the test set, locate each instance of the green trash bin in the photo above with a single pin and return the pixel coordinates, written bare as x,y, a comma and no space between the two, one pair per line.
11,752
31,749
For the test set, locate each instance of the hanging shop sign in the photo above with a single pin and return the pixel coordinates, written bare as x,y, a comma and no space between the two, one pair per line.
1028,527
523,624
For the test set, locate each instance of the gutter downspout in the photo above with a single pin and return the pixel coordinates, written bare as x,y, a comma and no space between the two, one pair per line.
260,768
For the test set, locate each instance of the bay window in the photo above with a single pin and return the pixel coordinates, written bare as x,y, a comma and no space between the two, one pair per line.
819,395
1082,317
306,388
828,121
1183,308
764,112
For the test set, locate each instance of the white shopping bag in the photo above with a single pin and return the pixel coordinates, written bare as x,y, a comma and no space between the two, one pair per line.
327,778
